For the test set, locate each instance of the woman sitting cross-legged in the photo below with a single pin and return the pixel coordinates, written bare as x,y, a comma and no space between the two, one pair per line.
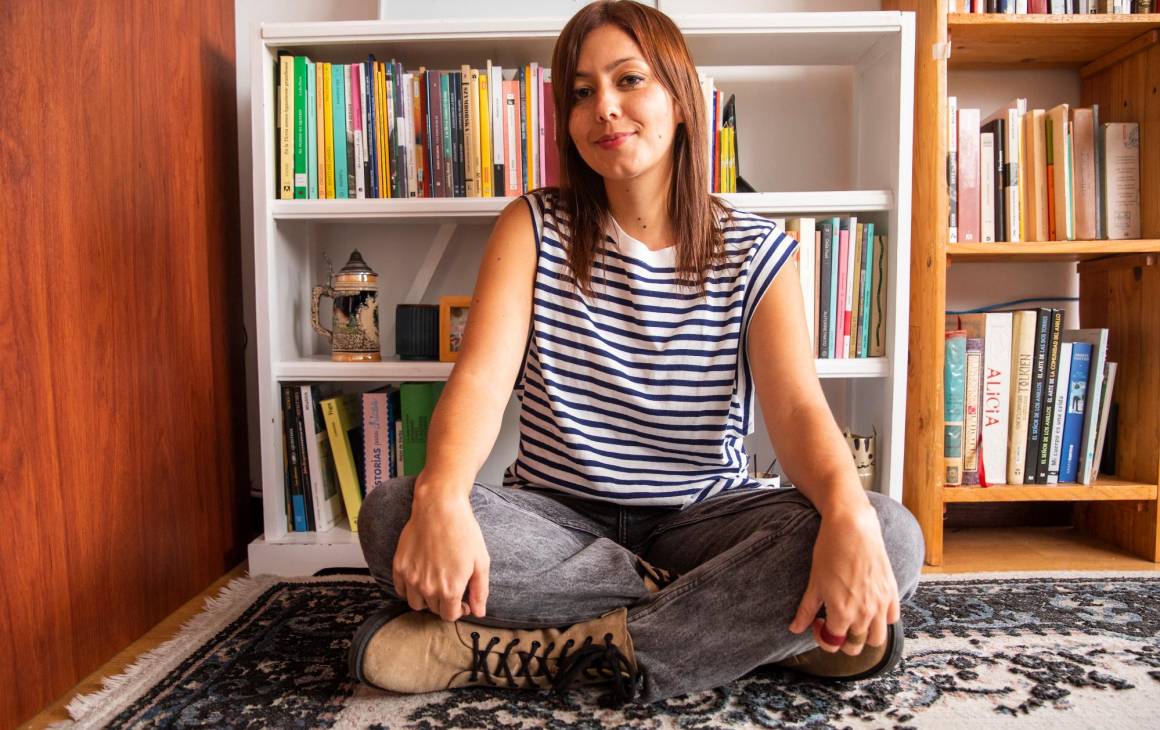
639,317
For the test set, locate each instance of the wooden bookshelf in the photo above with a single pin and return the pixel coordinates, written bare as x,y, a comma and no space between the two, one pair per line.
865,171
1041,41
1116,59
1046,251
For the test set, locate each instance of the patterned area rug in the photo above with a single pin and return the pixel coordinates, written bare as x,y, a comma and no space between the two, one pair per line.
994,650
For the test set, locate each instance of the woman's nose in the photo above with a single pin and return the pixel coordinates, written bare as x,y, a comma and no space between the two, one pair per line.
607,106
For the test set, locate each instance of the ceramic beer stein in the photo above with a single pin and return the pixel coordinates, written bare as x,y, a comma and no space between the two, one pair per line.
355,291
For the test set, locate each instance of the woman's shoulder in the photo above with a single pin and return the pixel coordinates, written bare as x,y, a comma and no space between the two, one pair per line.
744,229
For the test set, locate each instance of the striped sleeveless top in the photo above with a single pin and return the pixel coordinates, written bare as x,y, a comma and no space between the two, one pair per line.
642,394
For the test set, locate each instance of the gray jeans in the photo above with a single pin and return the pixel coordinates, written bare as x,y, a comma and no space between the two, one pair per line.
743,558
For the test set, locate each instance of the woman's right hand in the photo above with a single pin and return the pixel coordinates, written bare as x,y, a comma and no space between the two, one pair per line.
441,554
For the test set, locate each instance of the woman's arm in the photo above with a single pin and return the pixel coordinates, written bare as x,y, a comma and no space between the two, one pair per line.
441,553
851,574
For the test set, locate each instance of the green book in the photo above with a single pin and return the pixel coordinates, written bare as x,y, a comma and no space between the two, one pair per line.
338,114
300,177
418,403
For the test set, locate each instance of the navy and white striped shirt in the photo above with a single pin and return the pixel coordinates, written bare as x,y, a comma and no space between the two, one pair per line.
641,395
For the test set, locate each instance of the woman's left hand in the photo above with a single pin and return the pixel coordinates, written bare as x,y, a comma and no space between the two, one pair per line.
851,576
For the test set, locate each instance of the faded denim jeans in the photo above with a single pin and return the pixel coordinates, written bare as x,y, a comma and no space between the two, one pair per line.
743,558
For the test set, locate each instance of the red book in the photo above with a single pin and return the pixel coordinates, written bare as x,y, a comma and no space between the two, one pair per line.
1037,6
970,227
551,155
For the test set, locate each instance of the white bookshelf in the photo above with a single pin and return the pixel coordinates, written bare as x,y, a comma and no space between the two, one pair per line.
825,108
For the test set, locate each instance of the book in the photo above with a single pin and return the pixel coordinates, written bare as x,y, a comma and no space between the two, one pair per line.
1105,444
878,287
972,389
1121,179
1084,174
324,489
968,170
993,330
1023,336
827,269
1059,411
311,131
295,455
997,129
987,187
867,292
1035,196
338,134
376,435
954,381
1077,403
285,121
952,169
343,427
1061,173
1098,339
1038,385
1047,418
301,178
469,95
417,402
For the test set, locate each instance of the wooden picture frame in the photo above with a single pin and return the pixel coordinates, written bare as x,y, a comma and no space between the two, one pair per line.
453,313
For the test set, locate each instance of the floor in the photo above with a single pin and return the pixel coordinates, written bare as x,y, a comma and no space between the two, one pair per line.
967,551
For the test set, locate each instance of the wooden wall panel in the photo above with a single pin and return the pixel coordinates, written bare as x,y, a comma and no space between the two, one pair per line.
122,446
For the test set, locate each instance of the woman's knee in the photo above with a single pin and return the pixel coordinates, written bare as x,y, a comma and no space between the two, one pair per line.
380,521
903,538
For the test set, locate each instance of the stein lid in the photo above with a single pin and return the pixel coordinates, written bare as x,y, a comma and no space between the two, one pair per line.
356,270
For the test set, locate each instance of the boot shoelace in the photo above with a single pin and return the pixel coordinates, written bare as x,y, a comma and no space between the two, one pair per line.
590,661
659,576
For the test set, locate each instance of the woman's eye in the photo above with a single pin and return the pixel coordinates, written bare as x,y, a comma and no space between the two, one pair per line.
632,79
580,93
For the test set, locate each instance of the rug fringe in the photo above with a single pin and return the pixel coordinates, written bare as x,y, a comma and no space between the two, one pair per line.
238,594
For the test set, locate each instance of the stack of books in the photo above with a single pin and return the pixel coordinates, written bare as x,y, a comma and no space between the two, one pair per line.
375,130
337,447
1041,175
842,264
1052,7
1025,401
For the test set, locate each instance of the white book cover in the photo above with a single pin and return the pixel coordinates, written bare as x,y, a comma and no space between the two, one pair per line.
1098,338
1014,204
1063,378
987,187
996,396
324,490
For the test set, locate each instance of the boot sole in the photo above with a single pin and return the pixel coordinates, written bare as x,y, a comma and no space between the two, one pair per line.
362,637
894,639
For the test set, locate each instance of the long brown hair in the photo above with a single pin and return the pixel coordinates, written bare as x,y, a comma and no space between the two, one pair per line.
692,209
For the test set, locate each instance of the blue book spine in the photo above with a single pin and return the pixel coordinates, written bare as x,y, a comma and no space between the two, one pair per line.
1081,356
338,101
372,140
832,305
863,349
311,132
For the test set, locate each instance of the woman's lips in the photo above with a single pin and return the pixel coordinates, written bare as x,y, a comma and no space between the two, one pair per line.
615,141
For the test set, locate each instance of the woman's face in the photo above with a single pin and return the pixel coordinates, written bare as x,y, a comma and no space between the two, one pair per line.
623,120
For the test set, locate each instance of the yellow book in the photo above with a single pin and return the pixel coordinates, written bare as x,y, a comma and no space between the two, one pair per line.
417,82
328,122
530,125
485,136
467,78
381,127
286,127
342,416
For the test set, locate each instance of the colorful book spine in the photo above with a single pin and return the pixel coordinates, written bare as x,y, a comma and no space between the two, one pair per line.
972,389
1023,335
867,277
1077,404
1047,420
301,178
311,131
342,424
376,437
954,382
1059,412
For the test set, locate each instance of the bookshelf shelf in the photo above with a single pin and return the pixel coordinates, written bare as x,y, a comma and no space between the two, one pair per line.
1045,251
1040,41
1115,59
1103,489
847,152
426,210
320,367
